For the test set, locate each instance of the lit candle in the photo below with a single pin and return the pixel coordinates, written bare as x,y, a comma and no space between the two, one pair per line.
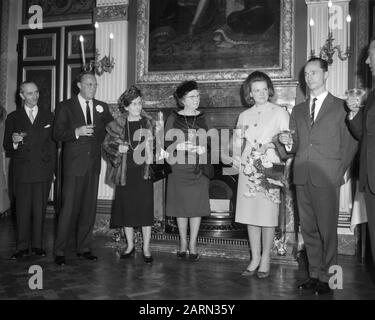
329,16
348,20
312,23
96,25
161,116
111,37
82,39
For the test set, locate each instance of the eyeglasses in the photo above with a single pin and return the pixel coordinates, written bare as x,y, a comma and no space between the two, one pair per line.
90,85
193,97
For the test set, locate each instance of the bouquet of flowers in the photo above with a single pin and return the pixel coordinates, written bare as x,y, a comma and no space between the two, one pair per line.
264,172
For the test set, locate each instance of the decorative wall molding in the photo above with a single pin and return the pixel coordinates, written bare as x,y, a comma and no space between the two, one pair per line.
105,3
4,51
111,13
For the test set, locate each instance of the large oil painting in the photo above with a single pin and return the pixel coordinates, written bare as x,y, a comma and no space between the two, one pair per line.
212,40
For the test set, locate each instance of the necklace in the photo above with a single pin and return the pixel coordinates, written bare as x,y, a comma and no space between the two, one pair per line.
190,133
129,140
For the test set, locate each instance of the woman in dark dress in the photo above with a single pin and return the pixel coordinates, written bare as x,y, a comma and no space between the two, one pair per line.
128,150
187,190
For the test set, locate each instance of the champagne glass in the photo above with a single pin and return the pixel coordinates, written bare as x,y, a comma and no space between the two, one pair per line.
359,94
23,135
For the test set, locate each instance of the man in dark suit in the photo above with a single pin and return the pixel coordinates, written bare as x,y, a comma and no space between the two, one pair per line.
28,140
324,150
362,124
80,125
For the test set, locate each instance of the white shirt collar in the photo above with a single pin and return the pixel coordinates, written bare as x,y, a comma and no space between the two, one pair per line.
319,97
35,109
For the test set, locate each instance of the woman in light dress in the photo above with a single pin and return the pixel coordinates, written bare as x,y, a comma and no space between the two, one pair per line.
258,206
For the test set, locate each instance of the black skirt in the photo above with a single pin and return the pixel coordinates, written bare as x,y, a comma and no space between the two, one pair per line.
133,205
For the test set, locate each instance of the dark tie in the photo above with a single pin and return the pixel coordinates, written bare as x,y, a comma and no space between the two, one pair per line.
88,113
312,114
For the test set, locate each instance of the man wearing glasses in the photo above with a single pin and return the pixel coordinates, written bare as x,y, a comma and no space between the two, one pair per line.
80,125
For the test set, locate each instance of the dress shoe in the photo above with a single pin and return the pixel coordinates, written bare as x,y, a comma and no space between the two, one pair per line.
148,259
19,254
39,252
88,256
263,275
181,254
60,260
193,257
309,284
322,288
128,255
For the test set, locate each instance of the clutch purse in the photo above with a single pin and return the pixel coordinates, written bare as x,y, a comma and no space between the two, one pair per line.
159,171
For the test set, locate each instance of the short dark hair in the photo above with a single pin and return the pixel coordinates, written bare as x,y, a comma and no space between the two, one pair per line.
22,85
257,76
128,96
84,73
323,63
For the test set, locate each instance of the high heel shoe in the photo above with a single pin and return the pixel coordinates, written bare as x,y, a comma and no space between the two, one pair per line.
263,275
193,257
147,259
249,273
128,255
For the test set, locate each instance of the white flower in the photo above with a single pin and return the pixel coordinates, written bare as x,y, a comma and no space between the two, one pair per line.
99,108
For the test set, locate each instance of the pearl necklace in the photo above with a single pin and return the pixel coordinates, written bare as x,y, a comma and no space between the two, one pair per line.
140,135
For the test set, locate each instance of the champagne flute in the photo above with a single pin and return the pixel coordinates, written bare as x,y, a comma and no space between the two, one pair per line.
23,135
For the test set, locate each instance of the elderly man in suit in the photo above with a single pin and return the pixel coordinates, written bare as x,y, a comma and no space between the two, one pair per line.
362,124
28,140
80,125
324,149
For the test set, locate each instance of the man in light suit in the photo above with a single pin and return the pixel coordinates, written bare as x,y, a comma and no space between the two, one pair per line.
28,140
80,125
362,124
324,149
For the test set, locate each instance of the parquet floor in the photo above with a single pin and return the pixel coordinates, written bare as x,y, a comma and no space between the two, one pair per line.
168,278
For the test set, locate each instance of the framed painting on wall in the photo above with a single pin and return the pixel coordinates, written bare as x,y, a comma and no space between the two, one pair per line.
39,47
74,44
213,40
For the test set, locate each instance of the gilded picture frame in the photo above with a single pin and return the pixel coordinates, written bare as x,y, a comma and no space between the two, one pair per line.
283,71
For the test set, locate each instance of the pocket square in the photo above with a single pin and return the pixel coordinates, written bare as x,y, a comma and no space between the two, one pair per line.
47,126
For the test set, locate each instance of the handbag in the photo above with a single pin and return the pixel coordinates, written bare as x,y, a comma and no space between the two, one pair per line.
159,171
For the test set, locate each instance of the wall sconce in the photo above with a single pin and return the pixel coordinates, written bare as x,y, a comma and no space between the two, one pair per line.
327,52
106,64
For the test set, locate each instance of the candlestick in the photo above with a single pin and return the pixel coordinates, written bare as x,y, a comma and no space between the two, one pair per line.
329,16
111,37
82,39
312,23
348,20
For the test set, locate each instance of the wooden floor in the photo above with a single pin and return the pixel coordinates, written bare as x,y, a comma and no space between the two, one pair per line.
169,278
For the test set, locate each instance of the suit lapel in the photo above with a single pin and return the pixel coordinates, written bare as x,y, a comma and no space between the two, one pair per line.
306,113
77,110
95,113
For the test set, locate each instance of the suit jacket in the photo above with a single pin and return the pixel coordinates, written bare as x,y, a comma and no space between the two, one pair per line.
34,160
325,150
363,128
79,154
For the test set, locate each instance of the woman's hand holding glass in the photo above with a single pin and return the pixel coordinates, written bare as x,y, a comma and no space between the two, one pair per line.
286,137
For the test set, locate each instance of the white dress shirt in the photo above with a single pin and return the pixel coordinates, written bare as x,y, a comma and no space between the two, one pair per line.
82,102
318,103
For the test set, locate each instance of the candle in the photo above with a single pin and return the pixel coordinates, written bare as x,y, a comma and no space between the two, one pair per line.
111,37
348,20
96,25
312,23
82,39
161,116
329,16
